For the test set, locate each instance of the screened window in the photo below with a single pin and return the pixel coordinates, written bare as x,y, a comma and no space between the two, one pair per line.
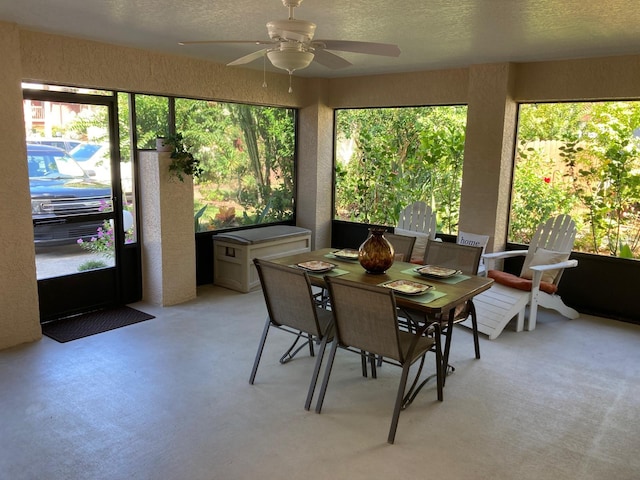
387,158
581,159
247,155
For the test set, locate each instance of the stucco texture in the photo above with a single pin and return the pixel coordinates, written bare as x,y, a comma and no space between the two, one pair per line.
168,253
19,313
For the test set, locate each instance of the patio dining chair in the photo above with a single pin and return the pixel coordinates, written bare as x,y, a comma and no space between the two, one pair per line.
465,258
365,319
291,307
402,245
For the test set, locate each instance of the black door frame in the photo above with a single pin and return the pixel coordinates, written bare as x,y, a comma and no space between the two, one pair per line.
94,289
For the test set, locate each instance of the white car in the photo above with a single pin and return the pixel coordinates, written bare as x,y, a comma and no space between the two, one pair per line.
95,159
65,144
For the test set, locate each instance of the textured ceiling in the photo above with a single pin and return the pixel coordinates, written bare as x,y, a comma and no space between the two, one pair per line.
432,34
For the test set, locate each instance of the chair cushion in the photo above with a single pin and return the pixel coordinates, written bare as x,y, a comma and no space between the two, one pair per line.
417,254
525,284
545,257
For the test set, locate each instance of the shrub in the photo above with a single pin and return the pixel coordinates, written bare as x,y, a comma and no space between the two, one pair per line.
91,265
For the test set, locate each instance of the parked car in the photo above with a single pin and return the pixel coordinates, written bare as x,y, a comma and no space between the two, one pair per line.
95,159
65,144
60,190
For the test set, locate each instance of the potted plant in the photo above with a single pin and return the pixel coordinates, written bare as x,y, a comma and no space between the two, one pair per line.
182,160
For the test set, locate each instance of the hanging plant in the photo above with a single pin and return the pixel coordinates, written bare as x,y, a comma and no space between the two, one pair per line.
182,160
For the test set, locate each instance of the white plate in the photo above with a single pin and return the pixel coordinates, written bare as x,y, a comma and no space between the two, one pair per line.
317,266
436,271
407,287
346,254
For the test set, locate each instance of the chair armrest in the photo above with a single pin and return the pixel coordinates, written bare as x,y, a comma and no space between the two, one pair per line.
490,258
538,269
555,266
498,255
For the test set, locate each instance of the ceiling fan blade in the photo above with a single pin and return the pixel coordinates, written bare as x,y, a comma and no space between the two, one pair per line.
248,58
204,42
330,60
370,48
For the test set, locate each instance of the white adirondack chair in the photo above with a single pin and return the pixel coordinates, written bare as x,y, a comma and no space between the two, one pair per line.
545,261
418,217
417,220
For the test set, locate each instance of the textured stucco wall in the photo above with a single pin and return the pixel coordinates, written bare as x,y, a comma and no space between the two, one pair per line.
609,78
168,247
19,313
70,61
488,157
315,168
443,87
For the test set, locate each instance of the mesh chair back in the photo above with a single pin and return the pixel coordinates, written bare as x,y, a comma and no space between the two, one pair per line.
287,293
365,317
402,245
465,258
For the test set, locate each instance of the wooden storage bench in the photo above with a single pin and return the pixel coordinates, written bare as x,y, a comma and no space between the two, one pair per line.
233,253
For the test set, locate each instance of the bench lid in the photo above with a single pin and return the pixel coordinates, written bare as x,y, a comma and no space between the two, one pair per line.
262,234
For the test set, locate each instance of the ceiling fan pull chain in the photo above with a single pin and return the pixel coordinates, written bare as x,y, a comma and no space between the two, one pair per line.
264,71
290,89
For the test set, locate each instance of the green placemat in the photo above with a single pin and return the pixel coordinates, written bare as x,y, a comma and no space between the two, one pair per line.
336,272
451,280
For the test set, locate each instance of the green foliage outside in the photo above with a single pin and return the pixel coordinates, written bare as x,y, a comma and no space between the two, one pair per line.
91,265
582,159
577,158
388,158
245,155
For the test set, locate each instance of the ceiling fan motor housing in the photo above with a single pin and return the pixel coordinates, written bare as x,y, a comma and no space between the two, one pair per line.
291,29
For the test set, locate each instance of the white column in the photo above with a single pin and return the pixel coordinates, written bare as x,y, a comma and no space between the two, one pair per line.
315,167
168,237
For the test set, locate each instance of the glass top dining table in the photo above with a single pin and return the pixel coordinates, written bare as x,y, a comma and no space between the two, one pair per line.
442,296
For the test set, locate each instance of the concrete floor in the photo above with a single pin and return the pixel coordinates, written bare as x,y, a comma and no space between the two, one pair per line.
169,399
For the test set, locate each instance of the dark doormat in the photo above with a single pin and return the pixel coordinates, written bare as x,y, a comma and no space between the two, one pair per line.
88,324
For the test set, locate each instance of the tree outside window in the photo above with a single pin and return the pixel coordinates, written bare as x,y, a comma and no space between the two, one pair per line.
582,159
387,158
246,153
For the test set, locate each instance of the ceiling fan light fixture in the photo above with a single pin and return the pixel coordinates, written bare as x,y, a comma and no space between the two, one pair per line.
290,60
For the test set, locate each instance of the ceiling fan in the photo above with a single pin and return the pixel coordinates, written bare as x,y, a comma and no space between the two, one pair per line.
291,46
